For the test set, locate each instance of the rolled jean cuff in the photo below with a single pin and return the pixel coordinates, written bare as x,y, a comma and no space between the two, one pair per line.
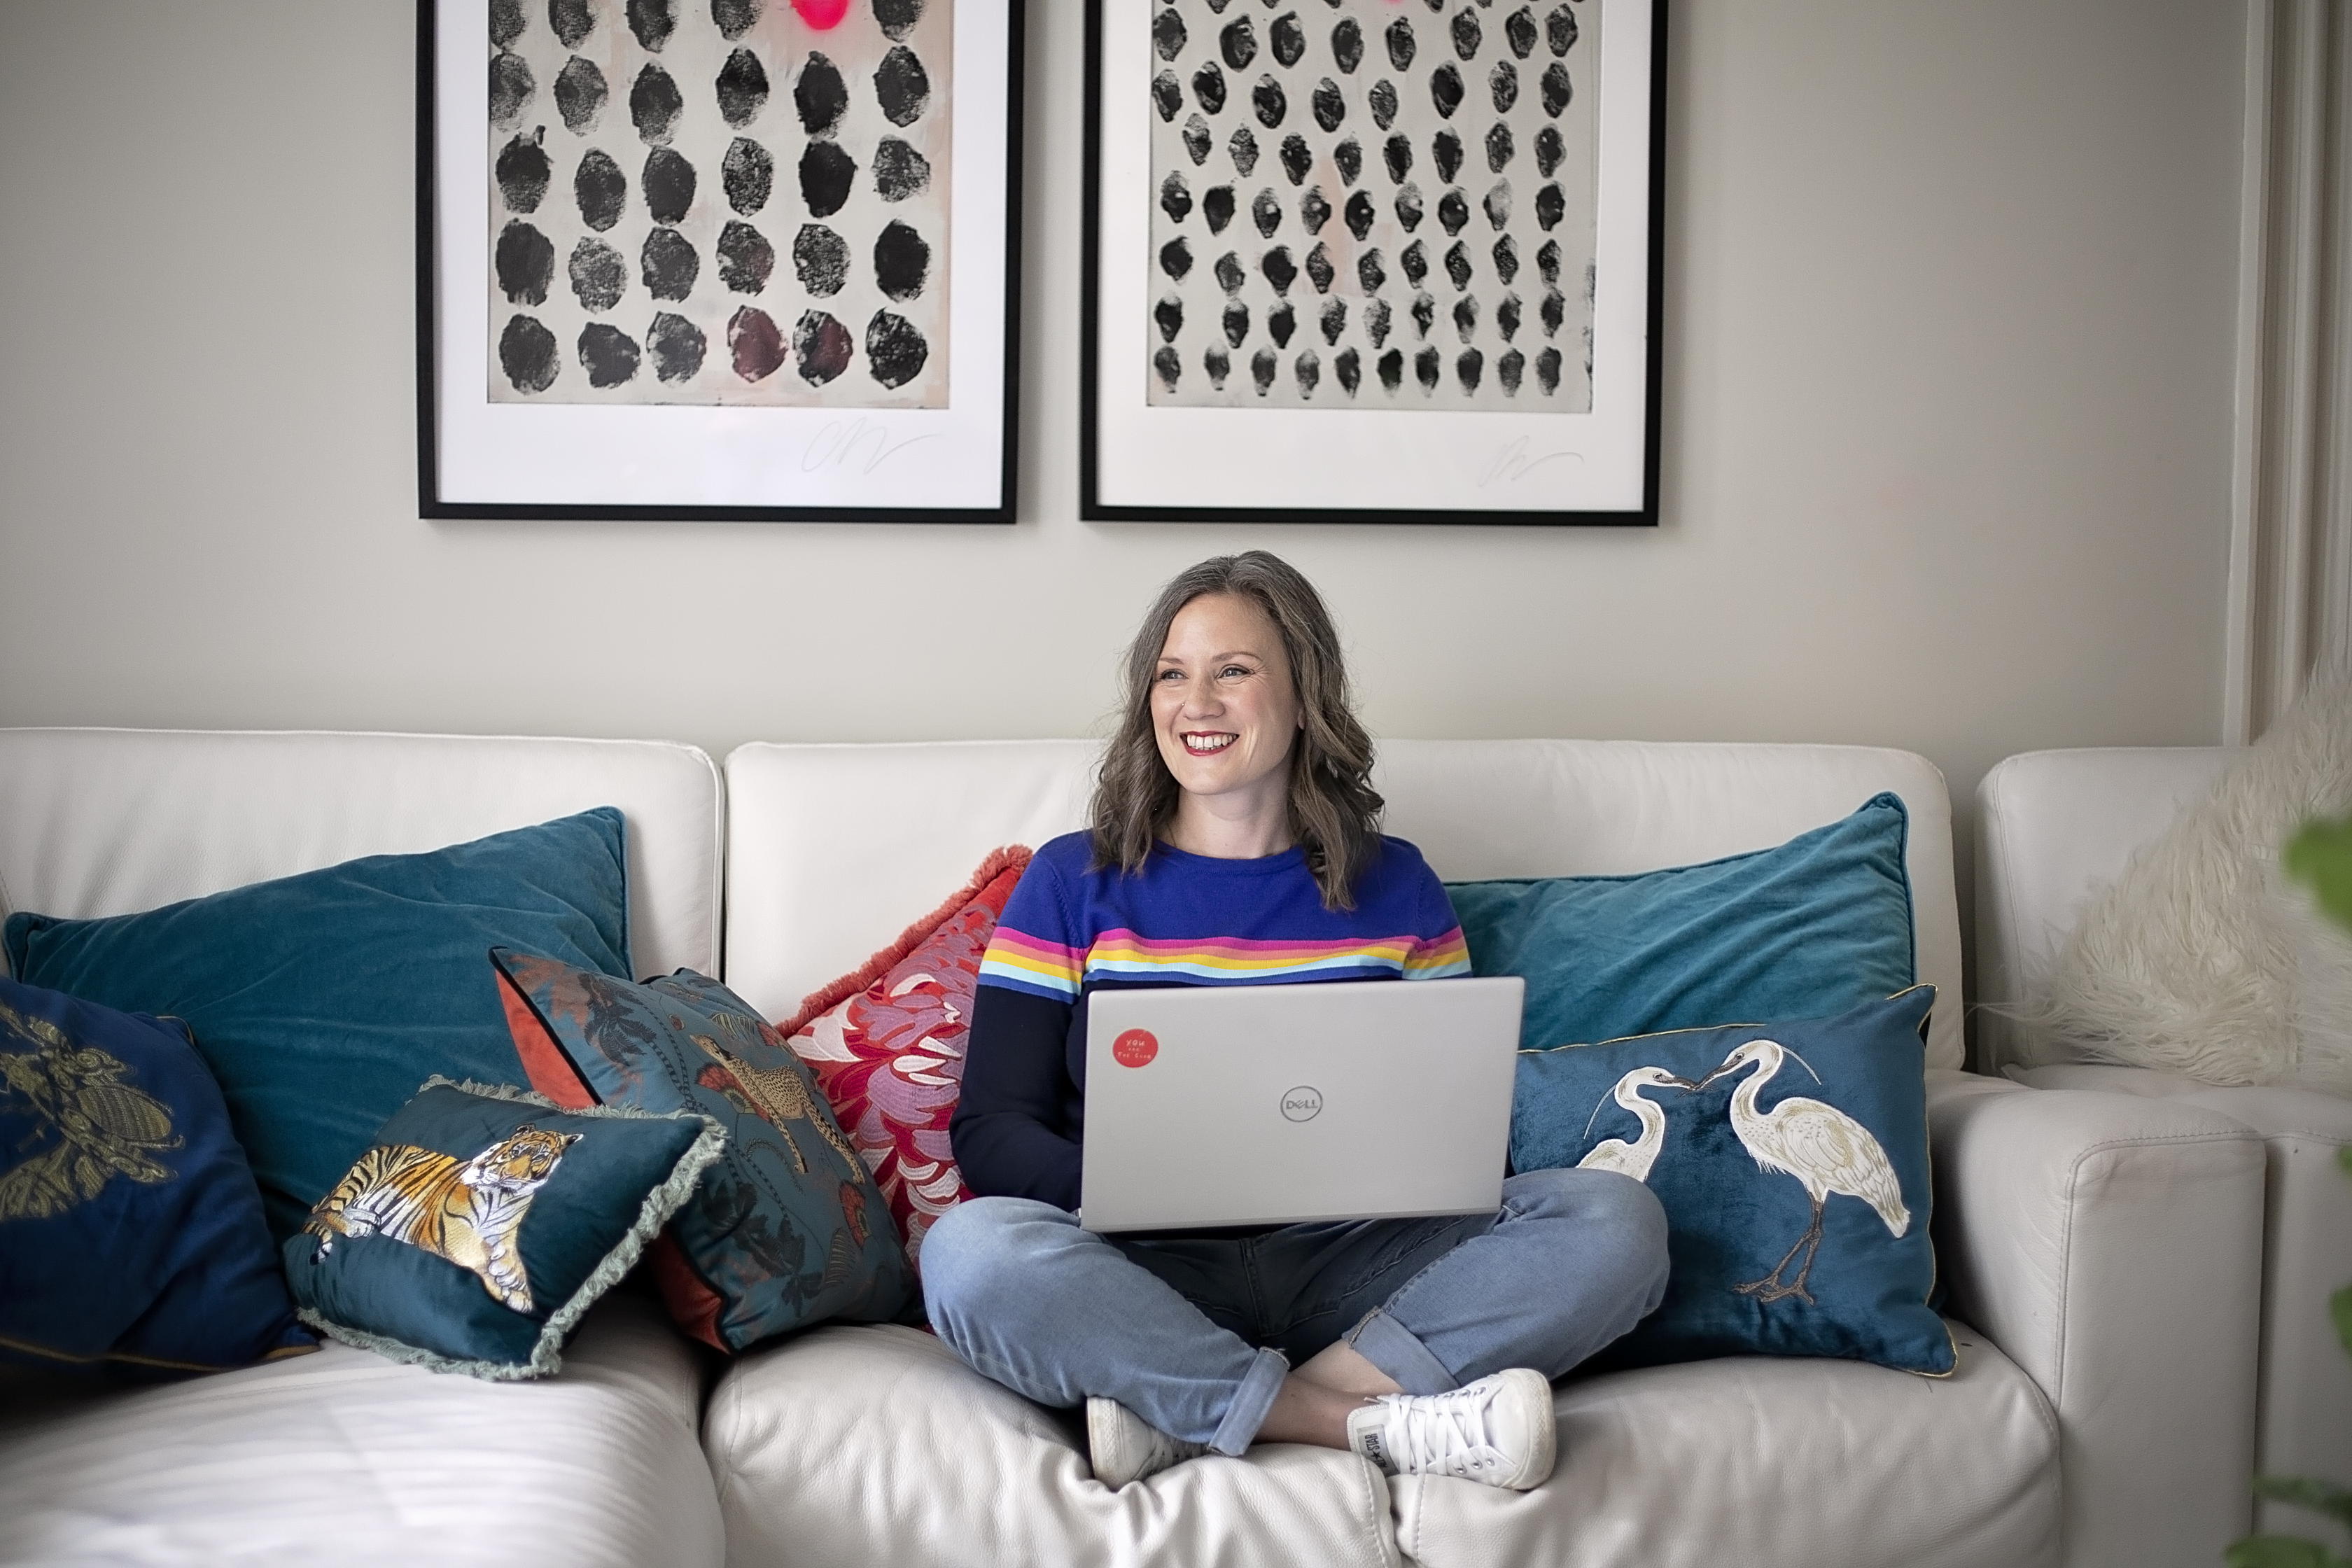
1389,1346
1250,1400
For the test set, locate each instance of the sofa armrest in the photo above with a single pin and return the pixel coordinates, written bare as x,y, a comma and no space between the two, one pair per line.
2307,1382
2112,1246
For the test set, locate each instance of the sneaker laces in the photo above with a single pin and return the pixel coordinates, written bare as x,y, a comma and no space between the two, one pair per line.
1441,1434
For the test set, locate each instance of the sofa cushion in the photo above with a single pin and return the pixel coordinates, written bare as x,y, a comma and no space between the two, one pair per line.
857,1445
484,1223
1792,1161
1767,1462
886,1042
851,1447
320,1001
345,1458
134,1234
1807,928
786,1228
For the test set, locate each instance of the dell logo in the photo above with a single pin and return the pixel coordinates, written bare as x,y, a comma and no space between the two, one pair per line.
1303,1103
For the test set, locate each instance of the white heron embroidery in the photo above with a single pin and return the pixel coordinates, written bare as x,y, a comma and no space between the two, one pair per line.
1822,1146
1633,1159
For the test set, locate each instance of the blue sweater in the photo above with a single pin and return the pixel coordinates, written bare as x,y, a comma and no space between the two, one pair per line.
1071,929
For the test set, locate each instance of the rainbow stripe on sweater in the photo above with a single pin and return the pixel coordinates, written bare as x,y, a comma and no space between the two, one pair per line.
1048,969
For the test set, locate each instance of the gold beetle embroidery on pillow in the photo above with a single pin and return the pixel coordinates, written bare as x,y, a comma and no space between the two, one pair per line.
465,1211
103,1127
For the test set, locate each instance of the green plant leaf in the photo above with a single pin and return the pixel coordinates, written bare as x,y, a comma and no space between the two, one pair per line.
2280,1551
2320,1497
2339,1307
2320,856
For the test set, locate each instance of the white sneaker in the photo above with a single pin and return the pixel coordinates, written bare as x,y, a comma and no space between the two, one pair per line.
1499,1430
1126,1447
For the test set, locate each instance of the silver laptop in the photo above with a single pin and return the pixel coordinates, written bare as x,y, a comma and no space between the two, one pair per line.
1276,1104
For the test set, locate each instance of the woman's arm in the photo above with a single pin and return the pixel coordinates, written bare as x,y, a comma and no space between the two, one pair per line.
1017,1094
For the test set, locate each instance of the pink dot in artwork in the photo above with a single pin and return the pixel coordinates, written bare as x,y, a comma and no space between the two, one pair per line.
822,15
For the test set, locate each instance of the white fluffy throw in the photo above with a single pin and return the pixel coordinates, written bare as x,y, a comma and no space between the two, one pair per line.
2202,958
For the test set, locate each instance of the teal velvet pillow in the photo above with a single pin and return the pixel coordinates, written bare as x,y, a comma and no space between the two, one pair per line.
789,1228
1806,929
482,1223
320,1001
1792,1161
131,1231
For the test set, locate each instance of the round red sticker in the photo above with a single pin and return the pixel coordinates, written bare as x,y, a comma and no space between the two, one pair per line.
1135,1049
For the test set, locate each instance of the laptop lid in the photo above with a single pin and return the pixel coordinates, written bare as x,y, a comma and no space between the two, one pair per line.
1276,1104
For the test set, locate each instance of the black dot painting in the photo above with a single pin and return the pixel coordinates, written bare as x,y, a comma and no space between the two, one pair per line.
580,94
669,265
522,171
745,259
1368,204
734,17
669,186
523,263
747,201
821,260
607,353
749,176
599,276
895,348
821,347
651,22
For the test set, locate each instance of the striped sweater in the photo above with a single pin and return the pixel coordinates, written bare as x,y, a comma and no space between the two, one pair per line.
1183,920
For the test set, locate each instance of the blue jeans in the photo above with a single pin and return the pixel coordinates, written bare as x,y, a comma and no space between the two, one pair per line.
1196,1335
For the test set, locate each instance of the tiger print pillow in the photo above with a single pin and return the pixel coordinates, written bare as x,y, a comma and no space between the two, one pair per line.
482,1223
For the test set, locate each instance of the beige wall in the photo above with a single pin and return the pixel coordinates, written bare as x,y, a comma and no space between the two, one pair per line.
1949,311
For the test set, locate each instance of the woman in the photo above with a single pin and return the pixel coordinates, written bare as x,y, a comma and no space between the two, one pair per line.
1236,807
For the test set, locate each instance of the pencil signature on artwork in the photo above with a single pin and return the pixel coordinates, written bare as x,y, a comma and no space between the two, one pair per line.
1512,462
855,443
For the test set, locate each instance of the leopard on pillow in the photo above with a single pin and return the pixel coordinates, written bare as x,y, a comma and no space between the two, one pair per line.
465,1211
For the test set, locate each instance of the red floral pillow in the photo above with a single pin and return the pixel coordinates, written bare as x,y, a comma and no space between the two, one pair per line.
886,1044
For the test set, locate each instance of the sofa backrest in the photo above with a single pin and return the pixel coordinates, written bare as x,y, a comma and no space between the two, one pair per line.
105,822
833,849
2052,826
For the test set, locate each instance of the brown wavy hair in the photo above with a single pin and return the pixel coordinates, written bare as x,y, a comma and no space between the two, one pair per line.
1335,813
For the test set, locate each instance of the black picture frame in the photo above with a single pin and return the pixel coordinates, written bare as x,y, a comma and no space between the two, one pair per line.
1116,342
984,444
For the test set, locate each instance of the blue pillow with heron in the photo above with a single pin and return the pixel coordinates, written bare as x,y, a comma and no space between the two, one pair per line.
1792,1161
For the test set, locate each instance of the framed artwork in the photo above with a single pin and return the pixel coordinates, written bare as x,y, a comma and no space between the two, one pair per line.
731,259
1372,260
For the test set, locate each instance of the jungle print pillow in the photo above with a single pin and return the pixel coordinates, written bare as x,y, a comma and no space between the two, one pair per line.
787,1229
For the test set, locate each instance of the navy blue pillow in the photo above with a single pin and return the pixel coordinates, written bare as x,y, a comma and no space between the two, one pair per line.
131,1231
320,1001
1801,930
1738,1131
481,1222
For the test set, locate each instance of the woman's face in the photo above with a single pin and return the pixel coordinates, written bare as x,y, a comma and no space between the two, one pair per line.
1222,705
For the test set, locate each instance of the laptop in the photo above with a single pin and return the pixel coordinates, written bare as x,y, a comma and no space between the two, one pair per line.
1231,1105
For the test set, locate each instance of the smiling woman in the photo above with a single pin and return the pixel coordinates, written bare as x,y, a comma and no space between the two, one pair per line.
1235,841
1229,644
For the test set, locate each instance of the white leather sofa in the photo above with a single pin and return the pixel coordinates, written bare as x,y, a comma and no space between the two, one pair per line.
2098,1246
343,1456
2054,826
